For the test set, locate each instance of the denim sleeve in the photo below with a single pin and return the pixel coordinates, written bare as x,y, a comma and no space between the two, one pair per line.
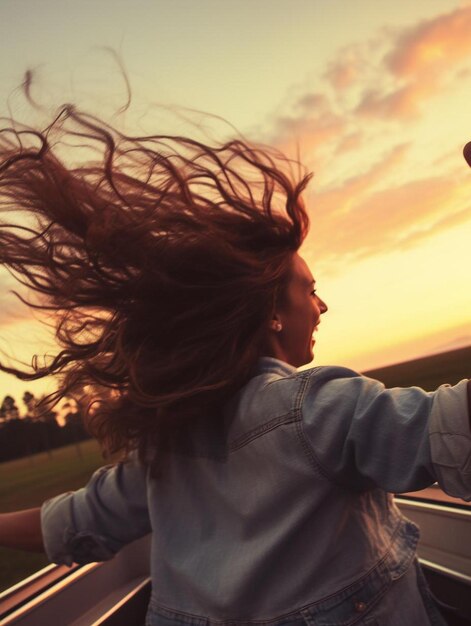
403,439
93,523
450,441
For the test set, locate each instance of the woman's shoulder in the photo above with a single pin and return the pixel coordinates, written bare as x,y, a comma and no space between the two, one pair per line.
273,370
282,387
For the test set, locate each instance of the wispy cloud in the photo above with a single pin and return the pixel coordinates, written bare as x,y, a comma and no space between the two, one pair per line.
311,122
346,70
433,46
351,222
417,63
401,103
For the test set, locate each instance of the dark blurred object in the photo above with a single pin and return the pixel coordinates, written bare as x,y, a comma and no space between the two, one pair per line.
467,153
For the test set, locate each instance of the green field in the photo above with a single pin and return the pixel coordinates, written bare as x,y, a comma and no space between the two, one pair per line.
28,482
428,372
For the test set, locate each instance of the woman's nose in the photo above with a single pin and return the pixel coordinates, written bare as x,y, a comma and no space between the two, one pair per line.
323,306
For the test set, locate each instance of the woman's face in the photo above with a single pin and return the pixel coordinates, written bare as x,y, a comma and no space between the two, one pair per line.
298,313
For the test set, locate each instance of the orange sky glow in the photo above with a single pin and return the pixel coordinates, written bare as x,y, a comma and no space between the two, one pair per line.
374,99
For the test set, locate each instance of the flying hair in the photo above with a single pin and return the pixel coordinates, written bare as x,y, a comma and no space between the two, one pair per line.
158,259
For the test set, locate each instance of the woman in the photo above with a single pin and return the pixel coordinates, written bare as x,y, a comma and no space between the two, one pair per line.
178,294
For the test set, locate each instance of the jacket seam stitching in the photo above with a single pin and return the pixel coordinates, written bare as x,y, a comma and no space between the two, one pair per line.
449,433
240,442
307,449
305,443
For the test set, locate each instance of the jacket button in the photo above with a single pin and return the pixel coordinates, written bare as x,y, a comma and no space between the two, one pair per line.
360,606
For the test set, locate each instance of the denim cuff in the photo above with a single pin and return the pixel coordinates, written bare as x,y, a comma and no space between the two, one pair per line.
65,545
450,440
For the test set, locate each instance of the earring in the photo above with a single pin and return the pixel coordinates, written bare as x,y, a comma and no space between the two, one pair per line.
278,327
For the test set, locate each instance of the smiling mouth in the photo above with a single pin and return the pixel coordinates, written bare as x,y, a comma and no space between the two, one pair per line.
313,339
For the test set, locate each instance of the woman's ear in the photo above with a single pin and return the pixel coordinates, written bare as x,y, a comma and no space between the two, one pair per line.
276,325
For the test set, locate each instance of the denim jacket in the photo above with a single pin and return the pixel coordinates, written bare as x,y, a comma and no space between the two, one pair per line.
284,514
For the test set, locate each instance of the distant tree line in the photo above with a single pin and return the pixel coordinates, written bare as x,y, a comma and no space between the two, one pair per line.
36,429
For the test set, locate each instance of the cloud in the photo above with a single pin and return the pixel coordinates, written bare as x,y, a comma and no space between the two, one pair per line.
389,76
311,122
421,61
346,227
339,200
403,103
433,45
386,79
345,70
351,141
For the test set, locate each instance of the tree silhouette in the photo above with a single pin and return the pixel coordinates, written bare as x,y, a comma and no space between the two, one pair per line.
49,426
8,409
73,419
31,404
38,429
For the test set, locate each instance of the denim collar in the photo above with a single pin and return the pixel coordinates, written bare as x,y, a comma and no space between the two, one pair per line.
268,364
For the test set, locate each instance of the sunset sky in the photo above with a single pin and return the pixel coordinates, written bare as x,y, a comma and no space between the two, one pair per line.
376,97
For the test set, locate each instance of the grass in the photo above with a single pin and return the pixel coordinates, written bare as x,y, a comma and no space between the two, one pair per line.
28,482
427,372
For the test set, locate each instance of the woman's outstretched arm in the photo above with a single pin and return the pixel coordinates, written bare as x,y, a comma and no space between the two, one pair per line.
21,530
400,439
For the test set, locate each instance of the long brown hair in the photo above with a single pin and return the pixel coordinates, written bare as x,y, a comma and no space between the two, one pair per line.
159,258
